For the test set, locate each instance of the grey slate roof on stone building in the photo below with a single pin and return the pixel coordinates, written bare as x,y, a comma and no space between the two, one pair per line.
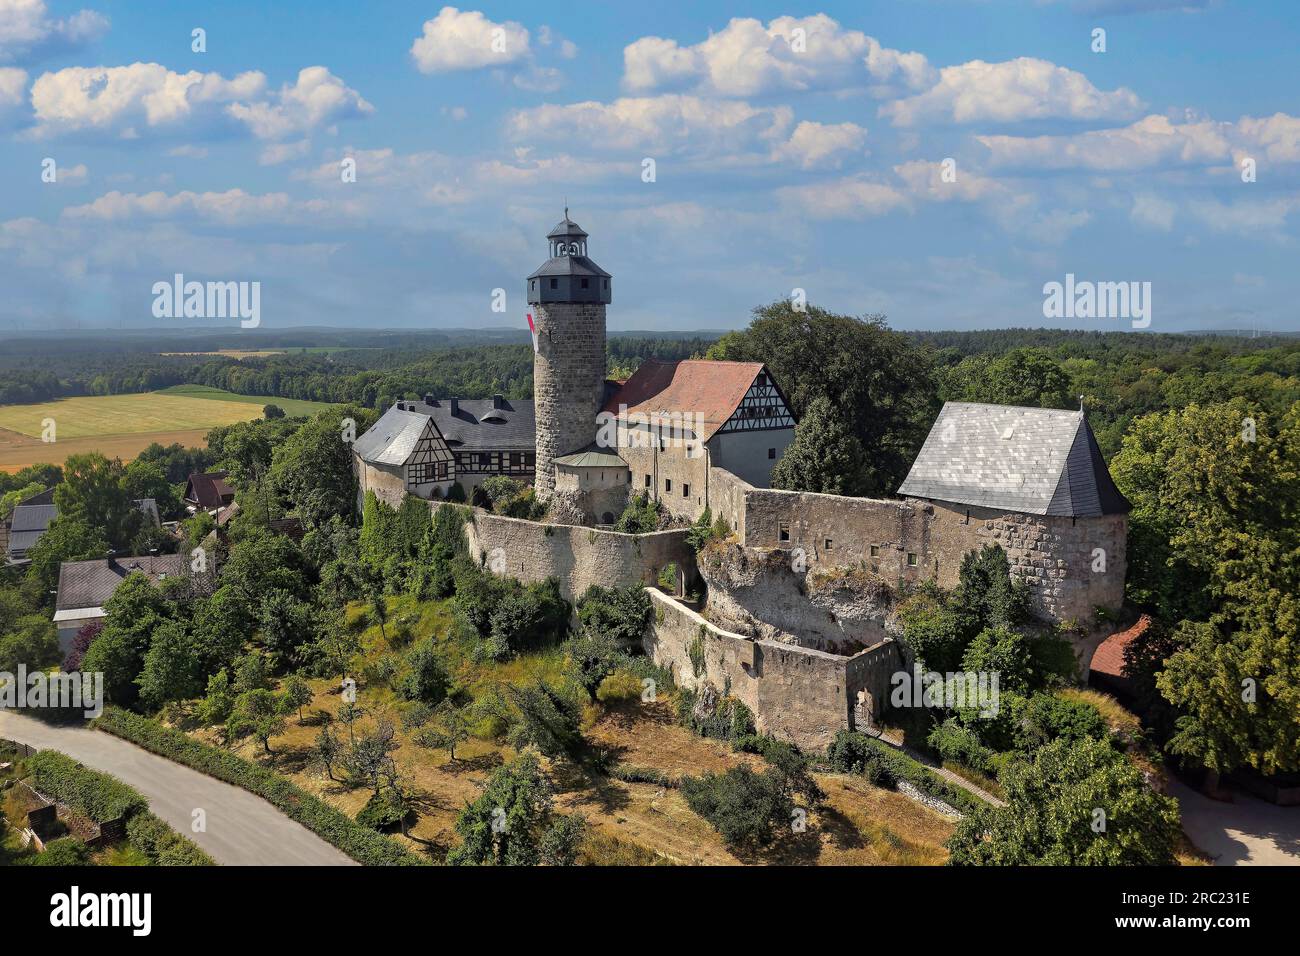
391,440
1040,461
489,424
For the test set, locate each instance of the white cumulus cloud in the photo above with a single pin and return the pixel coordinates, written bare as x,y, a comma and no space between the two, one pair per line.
467,40
1022,89
123,101
28,32
746,58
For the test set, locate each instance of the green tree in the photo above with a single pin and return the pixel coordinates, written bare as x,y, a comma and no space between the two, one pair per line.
879,380
825,457
1023,376
171,667
297,692
506,824
1078,803
256,713
144,479
94,492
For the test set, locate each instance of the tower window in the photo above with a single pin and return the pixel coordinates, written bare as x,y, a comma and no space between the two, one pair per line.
584,283
783,531
830,544
555,283
875,550
668,484
606,283
647,481
911,559
686,491
771,453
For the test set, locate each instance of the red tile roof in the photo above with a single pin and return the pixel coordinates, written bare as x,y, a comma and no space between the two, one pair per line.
1109,657
712,390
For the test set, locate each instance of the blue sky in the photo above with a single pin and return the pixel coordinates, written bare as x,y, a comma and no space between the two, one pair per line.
794,146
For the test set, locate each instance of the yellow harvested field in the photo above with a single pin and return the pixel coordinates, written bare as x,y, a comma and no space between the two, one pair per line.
18,451
103,415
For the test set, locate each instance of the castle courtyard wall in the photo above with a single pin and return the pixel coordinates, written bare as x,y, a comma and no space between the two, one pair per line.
800,694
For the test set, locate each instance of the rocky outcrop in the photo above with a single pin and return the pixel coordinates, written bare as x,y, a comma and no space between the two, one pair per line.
767,595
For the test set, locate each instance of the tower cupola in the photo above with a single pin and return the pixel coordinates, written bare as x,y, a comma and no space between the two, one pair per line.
569,275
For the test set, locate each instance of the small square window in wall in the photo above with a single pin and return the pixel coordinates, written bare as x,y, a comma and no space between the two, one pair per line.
647,481
830,545
911,559
783,531
555,283
686,491
668,484
875,550
771,453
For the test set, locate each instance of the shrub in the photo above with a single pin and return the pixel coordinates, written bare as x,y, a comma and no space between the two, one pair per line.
746,808
67,851
724,718
620,613
853,753
619,686
161,844
363,845
97,795
955,742
641,516
382,812
426,679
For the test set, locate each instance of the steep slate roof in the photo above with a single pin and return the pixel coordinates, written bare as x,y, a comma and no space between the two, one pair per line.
1041,461
26,525
208,489
713,390
29,522
391,440
477,425
89,584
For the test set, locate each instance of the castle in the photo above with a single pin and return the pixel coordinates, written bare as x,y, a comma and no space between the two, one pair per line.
797,619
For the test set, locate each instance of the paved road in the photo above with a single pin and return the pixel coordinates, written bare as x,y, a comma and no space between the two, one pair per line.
242,830
1246,832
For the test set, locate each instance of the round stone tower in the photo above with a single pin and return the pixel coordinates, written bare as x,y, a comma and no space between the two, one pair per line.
568,295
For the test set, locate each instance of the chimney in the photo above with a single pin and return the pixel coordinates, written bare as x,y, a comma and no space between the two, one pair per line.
428,400
455,406
498,401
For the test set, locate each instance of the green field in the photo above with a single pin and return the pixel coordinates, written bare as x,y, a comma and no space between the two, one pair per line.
292,406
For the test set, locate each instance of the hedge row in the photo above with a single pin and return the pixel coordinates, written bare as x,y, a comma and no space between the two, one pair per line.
102,798
363,845
97,795
161,844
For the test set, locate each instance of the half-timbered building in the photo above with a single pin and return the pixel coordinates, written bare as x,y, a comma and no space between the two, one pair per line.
424,448
676,420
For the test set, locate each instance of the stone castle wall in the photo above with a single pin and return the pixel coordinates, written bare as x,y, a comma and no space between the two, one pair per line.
568,381
579,557
905,542
388,482
800,694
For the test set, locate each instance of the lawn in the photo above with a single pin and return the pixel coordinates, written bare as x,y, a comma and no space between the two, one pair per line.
292,406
